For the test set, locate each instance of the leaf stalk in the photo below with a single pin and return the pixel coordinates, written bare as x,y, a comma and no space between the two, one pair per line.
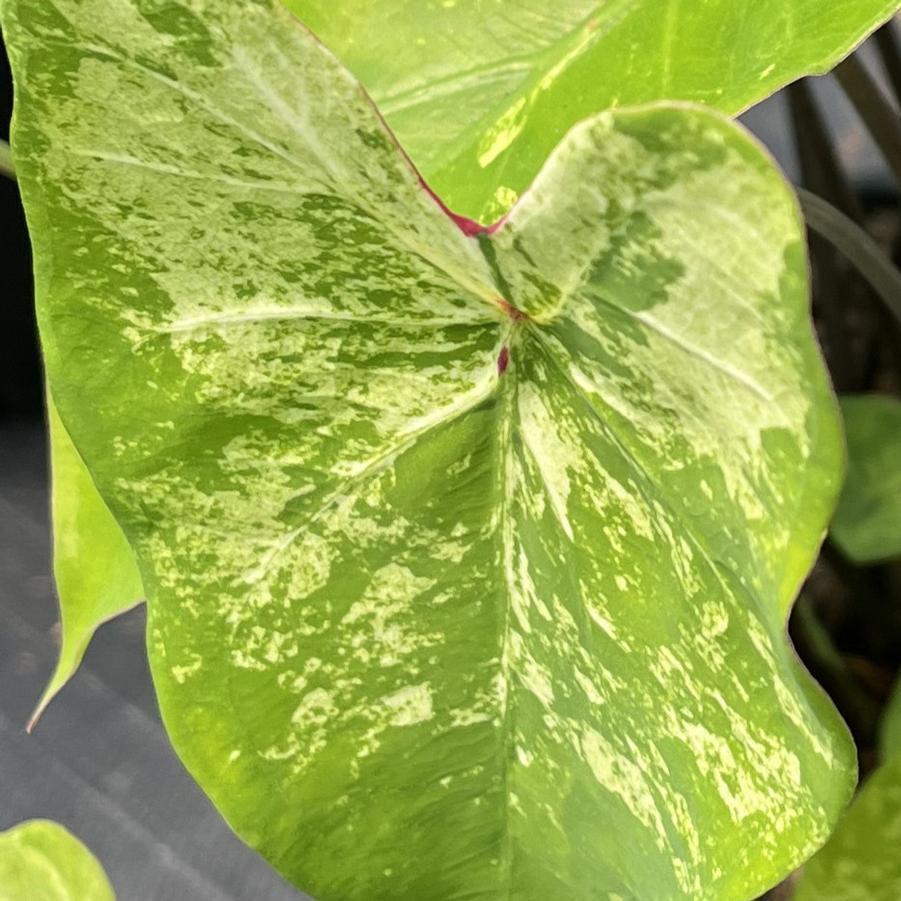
879,114
857,246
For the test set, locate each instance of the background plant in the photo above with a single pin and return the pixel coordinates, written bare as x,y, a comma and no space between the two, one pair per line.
41,861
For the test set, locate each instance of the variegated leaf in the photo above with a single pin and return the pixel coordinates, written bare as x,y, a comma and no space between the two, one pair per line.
41,861
867,523
468,558
479,95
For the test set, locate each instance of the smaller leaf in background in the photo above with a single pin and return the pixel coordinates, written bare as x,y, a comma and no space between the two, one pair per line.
890,733
96,575
867,524
42,861
480,93
861,861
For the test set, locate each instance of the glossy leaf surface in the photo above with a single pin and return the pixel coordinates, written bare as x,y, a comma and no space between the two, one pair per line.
468,559
867,523
480,93
41,861
95,570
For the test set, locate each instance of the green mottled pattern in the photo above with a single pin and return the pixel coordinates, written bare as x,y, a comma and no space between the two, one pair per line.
41,861
867,523
425,626
95,571
480,91
479,94
862,862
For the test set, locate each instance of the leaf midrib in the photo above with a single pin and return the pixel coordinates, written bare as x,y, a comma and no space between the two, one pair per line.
381,461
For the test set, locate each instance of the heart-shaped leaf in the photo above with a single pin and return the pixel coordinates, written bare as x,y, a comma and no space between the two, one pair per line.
41,861
468,558
867,523
479,95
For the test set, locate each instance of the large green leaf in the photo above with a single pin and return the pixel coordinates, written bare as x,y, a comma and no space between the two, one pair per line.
861,860
41,861
96,574
867,524
468,559
480,93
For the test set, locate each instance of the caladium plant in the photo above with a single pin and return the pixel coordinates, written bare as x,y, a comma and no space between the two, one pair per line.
455,79
458,80
467,550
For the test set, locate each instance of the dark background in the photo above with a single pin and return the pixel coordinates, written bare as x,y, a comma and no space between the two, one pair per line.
99,761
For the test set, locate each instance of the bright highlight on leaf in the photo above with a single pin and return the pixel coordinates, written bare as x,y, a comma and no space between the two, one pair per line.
867,524
468,558
41,861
